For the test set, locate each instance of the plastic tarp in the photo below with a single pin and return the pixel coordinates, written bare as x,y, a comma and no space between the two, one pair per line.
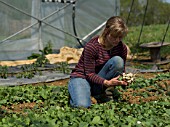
48,74
26,26
47,77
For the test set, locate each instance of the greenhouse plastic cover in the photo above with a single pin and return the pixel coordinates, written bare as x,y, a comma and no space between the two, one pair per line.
26,26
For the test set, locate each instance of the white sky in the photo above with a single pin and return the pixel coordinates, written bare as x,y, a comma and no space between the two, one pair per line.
168,1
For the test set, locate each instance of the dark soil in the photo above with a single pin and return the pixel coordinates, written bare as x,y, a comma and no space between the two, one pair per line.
154,94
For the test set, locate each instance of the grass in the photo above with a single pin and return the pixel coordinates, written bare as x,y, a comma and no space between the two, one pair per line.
151,33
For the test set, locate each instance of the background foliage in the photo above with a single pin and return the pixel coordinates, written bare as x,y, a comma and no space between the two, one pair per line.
155,23
157,12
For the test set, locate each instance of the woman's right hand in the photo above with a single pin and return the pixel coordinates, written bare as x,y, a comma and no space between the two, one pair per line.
114,82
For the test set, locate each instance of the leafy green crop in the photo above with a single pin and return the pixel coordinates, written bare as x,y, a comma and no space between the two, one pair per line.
52,109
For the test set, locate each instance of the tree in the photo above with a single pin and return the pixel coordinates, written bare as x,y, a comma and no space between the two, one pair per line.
157,11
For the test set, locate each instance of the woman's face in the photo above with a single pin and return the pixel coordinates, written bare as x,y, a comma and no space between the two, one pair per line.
113,41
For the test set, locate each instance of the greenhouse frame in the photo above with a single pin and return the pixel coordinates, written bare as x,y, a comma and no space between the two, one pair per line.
27,26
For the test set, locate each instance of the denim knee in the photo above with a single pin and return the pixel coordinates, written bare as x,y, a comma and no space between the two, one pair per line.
79,90
118,63
112,68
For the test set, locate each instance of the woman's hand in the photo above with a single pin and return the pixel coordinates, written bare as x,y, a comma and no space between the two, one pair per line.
114,82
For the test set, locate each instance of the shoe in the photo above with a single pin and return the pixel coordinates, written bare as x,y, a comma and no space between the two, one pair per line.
103,98
93,100
113,92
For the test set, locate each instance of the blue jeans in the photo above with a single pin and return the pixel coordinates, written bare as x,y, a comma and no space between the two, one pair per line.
80,89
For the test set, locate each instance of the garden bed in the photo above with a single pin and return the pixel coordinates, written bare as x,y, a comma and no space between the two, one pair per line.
145,102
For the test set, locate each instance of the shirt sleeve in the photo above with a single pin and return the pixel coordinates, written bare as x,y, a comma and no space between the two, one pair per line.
90,55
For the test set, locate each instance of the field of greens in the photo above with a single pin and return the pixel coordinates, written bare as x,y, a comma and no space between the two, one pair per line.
47,106
144,103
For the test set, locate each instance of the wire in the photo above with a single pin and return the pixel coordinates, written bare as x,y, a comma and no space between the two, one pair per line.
141,27
165,33
143,22
130,11
74,28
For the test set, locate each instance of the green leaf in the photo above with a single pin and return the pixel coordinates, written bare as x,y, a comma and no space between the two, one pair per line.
27,121
168,111
83,124
96,120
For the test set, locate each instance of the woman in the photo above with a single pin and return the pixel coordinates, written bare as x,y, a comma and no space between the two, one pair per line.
100,64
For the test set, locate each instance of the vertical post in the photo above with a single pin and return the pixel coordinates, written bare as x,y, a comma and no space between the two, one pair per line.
36,31
155,54
40,35
117,7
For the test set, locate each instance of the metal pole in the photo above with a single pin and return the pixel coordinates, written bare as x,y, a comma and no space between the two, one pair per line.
165,33
95,30
129,12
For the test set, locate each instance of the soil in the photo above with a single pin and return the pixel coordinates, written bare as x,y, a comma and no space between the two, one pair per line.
62,82
139,98
128,96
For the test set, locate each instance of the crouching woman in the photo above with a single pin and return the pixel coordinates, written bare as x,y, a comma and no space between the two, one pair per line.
100,64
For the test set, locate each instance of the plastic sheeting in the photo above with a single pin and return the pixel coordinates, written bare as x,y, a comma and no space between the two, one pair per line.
28,25
45,74
46,77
